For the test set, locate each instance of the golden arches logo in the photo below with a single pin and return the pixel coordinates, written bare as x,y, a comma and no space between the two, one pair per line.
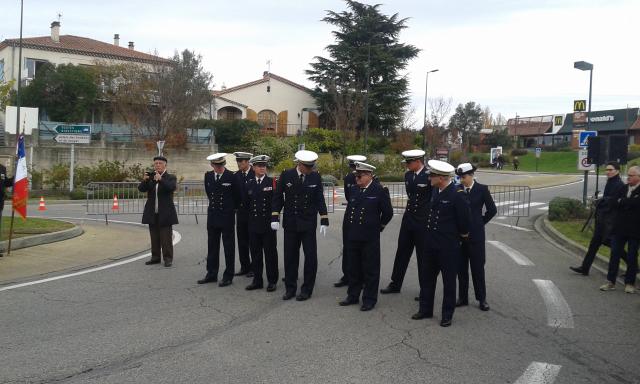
579,105
557,120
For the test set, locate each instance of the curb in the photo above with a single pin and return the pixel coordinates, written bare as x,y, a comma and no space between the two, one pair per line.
45,238
553,236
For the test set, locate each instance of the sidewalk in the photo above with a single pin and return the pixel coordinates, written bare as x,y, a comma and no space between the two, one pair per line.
99,243
532,180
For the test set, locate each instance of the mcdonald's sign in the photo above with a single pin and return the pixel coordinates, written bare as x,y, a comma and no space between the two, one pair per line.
557,120
579,105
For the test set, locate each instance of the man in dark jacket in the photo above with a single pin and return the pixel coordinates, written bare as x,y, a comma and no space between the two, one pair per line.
368,211
349,182
473,249
243,175
603,217
299,193
447,225
258,196
159,210
222,190
626,231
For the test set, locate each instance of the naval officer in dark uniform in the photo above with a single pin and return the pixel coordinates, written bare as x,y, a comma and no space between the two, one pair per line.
473,250
349,182
447,226
299,193
368,211
258,195
242,175
414,220
222,191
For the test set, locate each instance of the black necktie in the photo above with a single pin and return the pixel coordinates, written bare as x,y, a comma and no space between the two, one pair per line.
217,177
302,178
259,181
467,190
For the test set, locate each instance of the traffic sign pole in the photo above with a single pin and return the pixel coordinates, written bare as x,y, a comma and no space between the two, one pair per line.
584,188
72,166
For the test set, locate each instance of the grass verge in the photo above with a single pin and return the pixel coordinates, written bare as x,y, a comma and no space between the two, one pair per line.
31,226
572,230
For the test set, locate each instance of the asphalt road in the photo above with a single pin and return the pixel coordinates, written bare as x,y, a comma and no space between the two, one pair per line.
139,324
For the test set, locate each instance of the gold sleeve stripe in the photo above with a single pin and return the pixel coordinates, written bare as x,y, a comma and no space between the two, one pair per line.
275,213
324,216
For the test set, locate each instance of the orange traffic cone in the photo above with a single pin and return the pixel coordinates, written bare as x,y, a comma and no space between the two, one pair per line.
42,207
115,206
335,196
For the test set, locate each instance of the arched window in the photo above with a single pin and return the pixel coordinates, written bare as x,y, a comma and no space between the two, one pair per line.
229,113
267,119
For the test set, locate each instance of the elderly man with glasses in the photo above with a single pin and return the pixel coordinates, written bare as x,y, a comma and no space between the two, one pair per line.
603,217
626,231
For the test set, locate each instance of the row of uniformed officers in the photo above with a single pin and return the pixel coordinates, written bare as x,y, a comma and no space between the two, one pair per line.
443,222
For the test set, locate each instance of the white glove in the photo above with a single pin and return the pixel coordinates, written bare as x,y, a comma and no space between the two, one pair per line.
275,225
323,230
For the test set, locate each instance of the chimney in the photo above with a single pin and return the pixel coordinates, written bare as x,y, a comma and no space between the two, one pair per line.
116,39
55,31
131,45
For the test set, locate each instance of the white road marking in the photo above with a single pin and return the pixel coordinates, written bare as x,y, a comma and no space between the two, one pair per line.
516,256
539,373
176,239
512,226
506,203
545,208
558,312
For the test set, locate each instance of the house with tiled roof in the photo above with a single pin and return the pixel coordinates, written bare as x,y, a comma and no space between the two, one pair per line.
279,105
66,49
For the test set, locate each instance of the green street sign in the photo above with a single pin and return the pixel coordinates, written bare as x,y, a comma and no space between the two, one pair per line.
77,129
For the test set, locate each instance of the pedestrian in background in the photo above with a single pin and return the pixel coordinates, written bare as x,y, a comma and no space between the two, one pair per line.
626,231
5,182
603,216
159,210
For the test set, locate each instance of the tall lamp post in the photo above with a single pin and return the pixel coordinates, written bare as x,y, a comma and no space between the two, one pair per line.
424,122
584,66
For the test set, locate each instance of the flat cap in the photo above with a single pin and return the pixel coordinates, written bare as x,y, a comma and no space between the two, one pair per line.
306,157
438,167
465,168
364,167
353,158
242,155
217,158
413,154
260,159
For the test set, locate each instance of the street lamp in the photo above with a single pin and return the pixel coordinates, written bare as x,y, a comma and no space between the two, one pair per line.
424,122
584,66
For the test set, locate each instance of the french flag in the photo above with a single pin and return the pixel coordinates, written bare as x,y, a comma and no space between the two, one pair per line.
21,182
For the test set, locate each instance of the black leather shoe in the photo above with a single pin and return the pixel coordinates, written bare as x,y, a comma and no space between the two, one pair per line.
242,272
367,307
348,301
390,289
271,287
250,274
208,279
484,306
151,262
303,296
580,270
462,303
445,322
421,315
224,283
288,295
168,263
417,298
253,286
341,283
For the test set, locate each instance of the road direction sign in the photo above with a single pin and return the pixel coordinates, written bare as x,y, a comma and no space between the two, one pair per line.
538,152
583,163
73,139
583,138
75,129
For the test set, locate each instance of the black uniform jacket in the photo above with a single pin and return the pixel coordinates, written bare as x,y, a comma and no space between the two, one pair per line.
627,213
418,190
478,198
166,209
5,182
448,218
241,181
302,202
368,212
257,199
224,197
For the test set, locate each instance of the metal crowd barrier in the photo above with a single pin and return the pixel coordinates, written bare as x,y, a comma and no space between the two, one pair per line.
190,198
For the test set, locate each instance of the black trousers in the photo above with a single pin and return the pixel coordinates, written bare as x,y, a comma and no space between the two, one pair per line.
445,260
630,257
473,254
292,242
408,239
213,251
161,243
345,254
364,270
242,233
264,244
596,241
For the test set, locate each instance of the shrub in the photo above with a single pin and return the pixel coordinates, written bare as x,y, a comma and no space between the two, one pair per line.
563,209
634,148
78,194
633,155
519,152
330,179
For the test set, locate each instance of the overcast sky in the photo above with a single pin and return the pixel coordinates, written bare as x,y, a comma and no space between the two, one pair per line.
512,56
